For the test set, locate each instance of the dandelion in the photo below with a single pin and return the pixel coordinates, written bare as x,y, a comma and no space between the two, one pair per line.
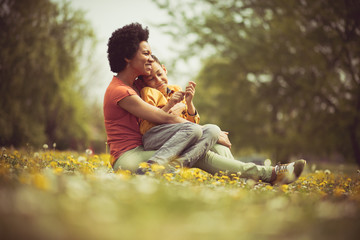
88,152
157,168
327,172
284,187
251,183
267,162
53,164
339,191
41,182
322,184
54,145
81,159
144,165
45,146
313,167
58,170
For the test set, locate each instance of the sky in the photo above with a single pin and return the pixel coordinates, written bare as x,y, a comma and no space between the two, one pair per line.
105,17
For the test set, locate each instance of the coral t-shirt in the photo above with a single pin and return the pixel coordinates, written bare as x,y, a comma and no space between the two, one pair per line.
122,128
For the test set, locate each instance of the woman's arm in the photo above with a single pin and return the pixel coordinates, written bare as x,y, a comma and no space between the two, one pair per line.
136,106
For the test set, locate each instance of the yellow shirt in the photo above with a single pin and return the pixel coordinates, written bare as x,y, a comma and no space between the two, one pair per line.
157,99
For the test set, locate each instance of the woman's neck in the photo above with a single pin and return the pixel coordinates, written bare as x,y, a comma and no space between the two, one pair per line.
126,77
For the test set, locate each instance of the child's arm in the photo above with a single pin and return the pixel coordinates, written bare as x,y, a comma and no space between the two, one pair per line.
189,95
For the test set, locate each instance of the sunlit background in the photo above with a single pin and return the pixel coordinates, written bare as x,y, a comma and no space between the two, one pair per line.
282,77
107,16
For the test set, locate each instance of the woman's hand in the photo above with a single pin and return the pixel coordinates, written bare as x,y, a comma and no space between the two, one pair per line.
224,139
178,109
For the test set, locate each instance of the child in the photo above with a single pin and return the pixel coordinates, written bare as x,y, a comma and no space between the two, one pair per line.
170,98
184,142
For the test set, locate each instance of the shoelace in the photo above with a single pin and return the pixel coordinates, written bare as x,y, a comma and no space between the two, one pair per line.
279,168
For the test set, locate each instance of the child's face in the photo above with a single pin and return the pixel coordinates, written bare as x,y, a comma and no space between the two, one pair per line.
158,78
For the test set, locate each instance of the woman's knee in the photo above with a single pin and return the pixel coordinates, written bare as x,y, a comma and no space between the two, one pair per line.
212,130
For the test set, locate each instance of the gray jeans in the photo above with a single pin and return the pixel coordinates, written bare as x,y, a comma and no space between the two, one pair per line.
184,142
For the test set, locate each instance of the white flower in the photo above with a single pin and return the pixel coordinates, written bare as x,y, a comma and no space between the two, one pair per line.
267,162
45,146
54,145
88,151
81,159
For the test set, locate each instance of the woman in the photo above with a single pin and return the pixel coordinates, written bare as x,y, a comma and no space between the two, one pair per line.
129,56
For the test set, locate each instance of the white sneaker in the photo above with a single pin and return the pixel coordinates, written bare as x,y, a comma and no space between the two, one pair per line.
288,173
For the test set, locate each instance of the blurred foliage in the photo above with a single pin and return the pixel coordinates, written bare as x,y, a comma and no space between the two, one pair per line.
50,194
282,77
42,96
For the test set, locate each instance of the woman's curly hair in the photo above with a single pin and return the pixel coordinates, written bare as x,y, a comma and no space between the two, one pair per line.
124,43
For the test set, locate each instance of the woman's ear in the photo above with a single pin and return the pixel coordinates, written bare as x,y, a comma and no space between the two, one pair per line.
164,68
127,60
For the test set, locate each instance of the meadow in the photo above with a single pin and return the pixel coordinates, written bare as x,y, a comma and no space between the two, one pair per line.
50,194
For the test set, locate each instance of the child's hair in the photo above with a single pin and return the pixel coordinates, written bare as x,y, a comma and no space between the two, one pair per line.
124,43
156,59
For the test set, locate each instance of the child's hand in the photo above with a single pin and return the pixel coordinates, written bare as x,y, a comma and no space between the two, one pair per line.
190,92
176,97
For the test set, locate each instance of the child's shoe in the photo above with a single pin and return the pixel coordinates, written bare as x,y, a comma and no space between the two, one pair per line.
288,173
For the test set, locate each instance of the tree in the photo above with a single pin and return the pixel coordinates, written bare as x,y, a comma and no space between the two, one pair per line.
282,76
41,94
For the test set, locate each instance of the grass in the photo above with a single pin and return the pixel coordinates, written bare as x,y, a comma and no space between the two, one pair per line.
69,195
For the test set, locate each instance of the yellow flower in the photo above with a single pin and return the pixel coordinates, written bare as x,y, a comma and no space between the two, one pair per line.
157,168
339,191
53,164
58,170
144,165
225,177
41,182
284,187
322,184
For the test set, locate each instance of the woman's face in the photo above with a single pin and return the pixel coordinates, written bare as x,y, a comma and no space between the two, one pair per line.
141,62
